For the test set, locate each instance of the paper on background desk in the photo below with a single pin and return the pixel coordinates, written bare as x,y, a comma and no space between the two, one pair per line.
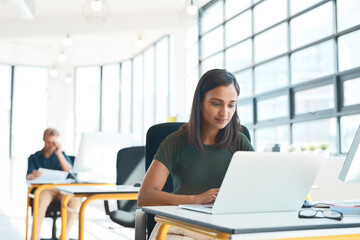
50,176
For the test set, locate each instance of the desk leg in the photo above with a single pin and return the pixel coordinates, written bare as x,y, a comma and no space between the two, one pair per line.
163,230
64,204
82,216
27,211
123,196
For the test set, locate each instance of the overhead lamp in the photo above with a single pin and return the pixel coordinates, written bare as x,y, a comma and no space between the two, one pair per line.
62,57
96,10
68,79
191,8
67,41
139,43
53,72
96,5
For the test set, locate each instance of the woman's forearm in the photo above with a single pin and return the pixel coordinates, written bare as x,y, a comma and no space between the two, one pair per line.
151,197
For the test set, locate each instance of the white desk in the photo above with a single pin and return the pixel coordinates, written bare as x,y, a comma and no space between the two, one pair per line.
40,186
91,193
276,225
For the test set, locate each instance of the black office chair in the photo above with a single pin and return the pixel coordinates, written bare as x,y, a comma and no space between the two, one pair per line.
155,135
54,209
130,170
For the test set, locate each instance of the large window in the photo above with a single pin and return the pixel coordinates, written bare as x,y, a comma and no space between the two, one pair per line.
5,107
138,98
29,118
23,118
126,97
87,104
297,63
110,98
162,80
126,93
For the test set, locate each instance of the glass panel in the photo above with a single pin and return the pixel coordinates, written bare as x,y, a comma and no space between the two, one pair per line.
271,75
239,56
87,101
212,42
349,51
313,133
315,99
138,99
162,80
5,103
313,62
351,92
126,99
297,6
238,28
347,13
273,108
30,104
216,61
212,16
245,82
232,7
149,85
110,98
349,126
245,113
264,18
271,43
271,135
312,25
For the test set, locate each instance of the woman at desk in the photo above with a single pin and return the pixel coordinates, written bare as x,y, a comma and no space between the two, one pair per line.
198,154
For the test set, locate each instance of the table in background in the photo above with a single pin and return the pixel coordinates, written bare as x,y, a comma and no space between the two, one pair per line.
91,193
271,225
40,186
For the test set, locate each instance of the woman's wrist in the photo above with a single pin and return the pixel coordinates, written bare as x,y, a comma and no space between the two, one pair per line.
192,198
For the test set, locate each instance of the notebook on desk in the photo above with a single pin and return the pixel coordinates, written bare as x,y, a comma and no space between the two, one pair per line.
264,182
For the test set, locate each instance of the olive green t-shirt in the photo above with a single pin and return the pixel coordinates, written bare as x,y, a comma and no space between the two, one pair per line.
193,171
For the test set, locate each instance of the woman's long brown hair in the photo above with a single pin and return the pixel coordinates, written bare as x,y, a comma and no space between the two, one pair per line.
230,133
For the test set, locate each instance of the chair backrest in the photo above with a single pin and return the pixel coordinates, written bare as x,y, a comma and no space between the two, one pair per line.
72,158
246,132
130,169
155,135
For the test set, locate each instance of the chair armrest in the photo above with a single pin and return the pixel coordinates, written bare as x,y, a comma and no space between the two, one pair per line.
140,225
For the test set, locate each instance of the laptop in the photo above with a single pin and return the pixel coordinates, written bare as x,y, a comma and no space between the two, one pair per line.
264,182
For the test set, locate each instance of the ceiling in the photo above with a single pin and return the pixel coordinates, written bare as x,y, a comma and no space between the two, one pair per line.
38,41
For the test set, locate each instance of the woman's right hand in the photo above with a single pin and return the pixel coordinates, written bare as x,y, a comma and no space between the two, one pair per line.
207,197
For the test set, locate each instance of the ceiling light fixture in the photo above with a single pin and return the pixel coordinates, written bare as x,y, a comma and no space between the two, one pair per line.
53,72
67,41
96,5
62,57
68,79
96,10
191,8
139,43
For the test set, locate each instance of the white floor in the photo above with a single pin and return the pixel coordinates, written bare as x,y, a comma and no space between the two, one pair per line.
97,224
